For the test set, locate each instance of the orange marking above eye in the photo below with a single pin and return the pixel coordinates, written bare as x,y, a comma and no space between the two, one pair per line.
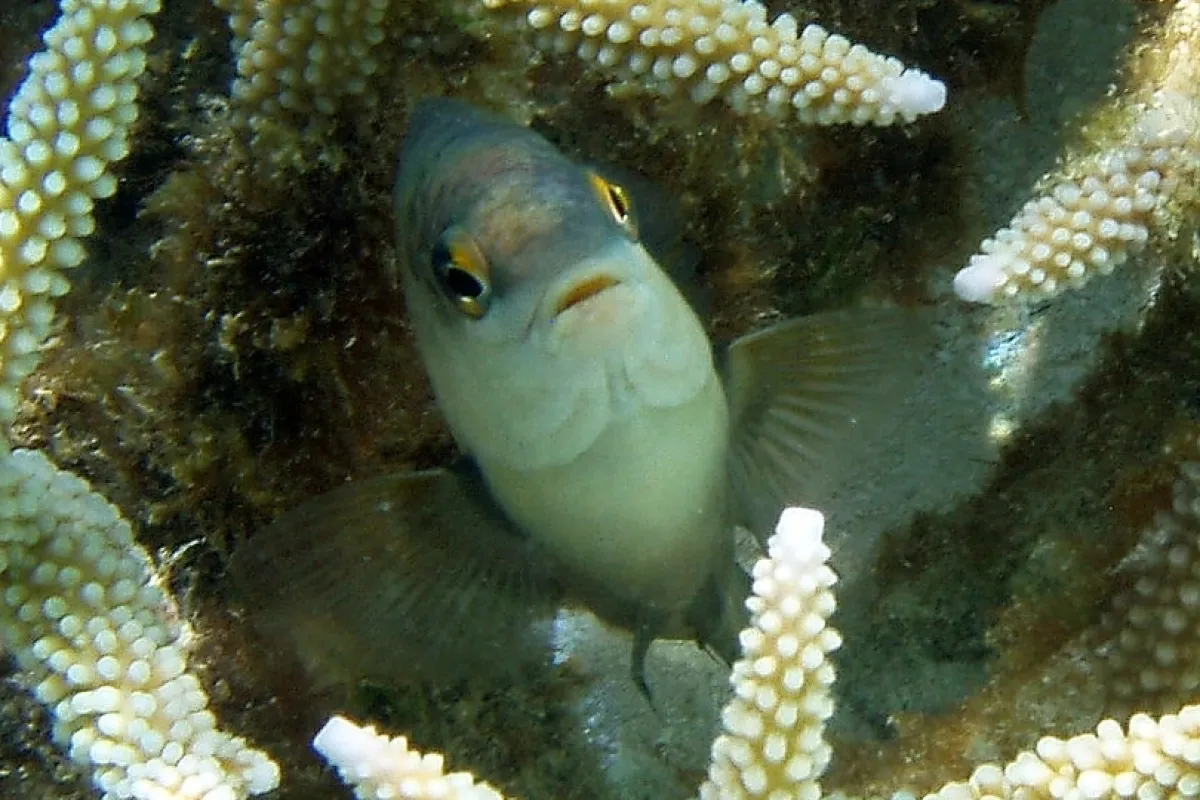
616,200
466,256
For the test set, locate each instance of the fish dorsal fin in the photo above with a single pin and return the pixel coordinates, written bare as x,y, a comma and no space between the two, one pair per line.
801,391
405,576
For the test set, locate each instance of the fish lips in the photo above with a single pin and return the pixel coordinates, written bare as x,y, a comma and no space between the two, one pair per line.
583,291
604,290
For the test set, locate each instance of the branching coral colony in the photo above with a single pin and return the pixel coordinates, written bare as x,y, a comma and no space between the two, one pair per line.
101,644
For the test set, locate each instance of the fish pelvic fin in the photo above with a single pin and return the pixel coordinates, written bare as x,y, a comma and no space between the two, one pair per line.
803,392
412,576
643,637
718,613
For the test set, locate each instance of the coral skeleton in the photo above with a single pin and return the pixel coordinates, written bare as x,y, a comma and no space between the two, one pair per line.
726,49
1102,207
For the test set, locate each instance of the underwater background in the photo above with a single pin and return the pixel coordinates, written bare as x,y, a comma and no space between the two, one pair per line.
236,342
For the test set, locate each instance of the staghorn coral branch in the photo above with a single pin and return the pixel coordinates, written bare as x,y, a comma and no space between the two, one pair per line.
377,766
1148,758
101,645
773,743
1103,206
726,49
69,120
1149,644
301,58
1151,631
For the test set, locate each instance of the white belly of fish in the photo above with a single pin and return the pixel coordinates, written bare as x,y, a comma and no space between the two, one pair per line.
640,512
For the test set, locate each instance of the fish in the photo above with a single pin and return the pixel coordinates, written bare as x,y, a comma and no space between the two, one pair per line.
609,449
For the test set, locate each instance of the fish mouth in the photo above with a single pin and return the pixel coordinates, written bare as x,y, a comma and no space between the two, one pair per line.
584,290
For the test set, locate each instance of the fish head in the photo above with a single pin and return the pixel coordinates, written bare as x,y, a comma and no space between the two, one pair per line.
539,314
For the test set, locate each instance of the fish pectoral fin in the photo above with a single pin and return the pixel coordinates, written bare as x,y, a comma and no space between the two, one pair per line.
802,392
404,576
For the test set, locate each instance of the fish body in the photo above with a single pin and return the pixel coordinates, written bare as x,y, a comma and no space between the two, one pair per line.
609,457
586,393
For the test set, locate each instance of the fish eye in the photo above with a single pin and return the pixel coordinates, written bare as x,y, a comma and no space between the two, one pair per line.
462,272
617,201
